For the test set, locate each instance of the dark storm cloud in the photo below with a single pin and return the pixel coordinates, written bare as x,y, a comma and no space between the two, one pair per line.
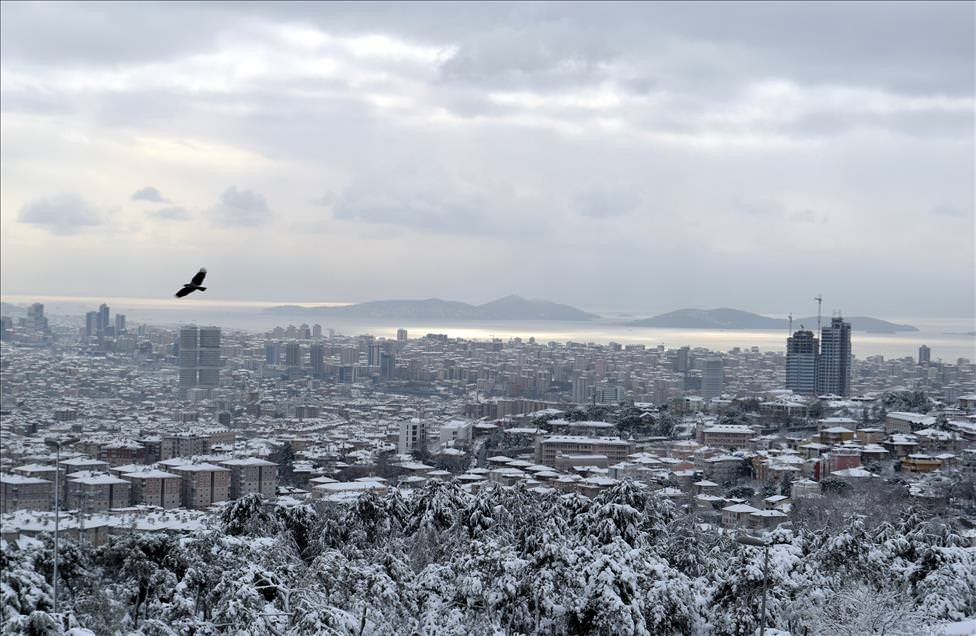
242,208
61,214
172,213
150,194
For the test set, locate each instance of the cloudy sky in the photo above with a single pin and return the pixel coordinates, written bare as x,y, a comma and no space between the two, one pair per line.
631,157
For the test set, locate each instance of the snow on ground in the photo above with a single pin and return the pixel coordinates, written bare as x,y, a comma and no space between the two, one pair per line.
960,628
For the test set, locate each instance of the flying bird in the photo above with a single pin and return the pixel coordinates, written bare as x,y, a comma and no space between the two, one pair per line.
194,284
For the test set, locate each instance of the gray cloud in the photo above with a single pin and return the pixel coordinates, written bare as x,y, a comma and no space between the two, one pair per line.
762,132
171,213
437,202
150,194
243,208
61,214
325,200
944,209
605,202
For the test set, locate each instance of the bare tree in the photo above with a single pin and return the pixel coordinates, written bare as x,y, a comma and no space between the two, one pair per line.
857,609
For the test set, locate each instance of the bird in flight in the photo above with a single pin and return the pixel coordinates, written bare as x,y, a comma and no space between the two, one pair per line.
194,284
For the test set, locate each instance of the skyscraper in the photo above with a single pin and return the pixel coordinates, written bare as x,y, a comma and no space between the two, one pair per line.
401,335
713,377
582,389
35,317
119,324
188,343
316,330
103,318
271,353
373,354
349,356
834,368
91,324
801,362
208,358
293,355
199,356
924,355
681,362
317,360
387,365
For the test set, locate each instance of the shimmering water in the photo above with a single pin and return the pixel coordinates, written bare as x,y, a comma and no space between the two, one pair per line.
947,337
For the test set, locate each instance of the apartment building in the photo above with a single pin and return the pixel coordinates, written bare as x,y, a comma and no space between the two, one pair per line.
97,492
21,492
203,484
155,488
548,448
727,435
251,475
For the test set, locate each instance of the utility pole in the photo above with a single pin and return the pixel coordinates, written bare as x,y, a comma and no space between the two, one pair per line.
759,542
57,517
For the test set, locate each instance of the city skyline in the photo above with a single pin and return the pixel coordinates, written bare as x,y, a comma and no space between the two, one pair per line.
705,158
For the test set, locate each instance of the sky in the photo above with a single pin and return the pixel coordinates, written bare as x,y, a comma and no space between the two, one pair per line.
632,157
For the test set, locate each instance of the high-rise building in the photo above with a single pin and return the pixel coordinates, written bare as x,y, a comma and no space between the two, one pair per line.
347,374
924,355
713,378
91,324
374,352
208,361
802,351
413,436
316,330
199,356
608,394
387,365
316,354
188,344
401,335
834,368
293,355
304,332
582,390
103,319
119,324
681,363
349,356
35,317
271,353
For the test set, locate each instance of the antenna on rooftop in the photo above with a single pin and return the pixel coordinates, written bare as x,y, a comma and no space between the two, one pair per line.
819,299
789,327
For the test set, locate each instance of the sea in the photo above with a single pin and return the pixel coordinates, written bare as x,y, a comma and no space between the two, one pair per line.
949,338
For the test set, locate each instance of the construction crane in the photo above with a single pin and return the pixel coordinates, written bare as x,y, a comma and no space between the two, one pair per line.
819,299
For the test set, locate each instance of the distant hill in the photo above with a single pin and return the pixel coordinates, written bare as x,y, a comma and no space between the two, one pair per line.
7,309
725,318
507,308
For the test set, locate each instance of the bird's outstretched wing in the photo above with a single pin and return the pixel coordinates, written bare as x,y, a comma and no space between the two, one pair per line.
183,292
199,276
